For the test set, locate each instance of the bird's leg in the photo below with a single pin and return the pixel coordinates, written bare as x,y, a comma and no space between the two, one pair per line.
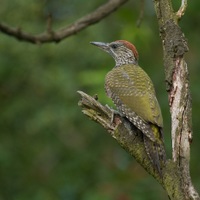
130,127
114,112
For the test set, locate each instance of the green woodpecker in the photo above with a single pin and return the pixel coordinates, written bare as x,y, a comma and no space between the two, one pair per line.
133,93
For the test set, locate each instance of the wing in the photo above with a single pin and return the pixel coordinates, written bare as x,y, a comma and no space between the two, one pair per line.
133,93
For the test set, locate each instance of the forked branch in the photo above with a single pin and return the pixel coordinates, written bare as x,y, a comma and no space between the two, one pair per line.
60,34
177,82
131,139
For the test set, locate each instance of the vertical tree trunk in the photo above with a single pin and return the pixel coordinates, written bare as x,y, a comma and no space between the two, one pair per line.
177,83
176,179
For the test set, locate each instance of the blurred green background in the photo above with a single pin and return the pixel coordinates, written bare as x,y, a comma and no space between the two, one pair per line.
48,148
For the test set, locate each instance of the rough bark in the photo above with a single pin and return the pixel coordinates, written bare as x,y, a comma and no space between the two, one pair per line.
176,174
177,84
130,138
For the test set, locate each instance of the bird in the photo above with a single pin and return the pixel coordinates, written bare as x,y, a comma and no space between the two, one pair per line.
133,94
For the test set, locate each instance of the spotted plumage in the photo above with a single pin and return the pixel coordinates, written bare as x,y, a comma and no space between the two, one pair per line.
130,96
133,93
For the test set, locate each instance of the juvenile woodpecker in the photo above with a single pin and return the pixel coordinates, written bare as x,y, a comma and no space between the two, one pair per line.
133,93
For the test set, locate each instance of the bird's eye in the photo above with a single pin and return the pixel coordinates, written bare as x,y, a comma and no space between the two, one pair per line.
114,46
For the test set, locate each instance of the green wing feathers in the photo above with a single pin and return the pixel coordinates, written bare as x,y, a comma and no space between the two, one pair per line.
133,93
135,89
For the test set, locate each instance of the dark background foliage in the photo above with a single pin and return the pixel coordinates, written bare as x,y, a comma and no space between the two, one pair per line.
48,148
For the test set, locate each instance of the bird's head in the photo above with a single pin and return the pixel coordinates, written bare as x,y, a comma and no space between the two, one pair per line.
122,51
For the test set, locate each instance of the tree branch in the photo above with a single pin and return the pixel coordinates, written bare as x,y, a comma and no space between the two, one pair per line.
131,139
127,135
182,9
177,84
176,174
56,36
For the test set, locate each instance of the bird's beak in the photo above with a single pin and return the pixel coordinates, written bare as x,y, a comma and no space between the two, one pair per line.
101,45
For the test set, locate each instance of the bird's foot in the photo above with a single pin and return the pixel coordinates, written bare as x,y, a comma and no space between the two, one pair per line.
114,112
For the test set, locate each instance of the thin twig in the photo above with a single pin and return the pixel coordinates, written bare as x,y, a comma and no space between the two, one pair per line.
49,23
82,23
182,9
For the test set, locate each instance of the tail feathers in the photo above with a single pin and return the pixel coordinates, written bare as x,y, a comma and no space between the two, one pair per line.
156,153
